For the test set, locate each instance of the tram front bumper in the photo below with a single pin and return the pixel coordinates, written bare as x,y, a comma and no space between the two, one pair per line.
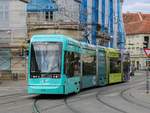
39,89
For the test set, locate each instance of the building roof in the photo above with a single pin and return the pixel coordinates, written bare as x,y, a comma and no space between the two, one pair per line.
136,23
41,6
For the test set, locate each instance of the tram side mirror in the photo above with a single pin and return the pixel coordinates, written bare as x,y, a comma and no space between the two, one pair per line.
28,41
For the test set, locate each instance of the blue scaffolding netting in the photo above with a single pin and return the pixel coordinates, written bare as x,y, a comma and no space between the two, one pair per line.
41,6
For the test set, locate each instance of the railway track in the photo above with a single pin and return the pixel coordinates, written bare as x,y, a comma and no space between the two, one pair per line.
68,100
36,107
70,107
71,99
124,97
128,99
99,99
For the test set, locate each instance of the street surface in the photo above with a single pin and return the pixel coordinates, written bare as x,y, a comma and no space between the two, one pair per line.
127,97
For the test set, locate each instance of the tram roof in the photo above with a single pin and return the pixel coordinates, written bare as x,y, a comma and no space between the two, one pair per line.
112,50
52,37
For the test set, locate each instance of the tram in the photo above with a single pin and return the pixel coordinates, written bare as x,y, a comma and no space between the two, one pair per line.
58,64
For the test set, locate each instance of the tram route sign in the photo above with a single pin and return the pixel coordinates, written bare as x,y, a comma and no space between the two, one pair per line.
147,51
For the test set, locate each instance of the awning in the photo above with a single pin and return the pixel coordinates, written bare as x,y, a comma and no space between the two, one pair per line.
41,6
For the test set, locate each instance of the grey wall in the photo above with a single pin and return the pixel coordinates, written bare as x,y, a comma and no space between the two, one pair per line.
13,19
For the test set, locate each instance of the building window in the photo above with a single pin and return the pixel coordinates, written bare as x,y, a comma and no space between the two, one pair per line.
137,65
133,63
5,60
4,13
46,15
49,16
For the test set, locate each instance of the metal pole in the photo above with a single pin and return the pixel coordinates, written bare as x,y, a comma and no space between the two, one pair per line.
115,34
111,22
120,26
95,9
147,77
84,17
103,16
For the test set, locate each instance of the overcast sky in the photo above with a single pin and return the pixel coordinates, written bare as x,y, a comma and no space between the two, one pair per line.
136,6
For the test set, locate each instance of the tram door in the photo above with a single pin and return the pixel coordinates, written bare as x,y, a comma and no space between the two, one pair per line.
102,67
72,71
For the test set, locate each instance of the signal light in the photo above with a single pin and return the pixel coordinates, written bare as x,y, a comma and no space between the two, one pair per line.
55,76
145,44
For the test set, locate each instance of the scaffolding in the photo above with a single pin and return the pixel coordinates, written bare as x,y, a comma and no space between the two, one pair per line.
84,19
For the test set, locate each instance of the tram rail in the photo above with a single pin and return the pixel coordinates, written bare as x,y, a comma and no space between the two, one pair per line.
79,97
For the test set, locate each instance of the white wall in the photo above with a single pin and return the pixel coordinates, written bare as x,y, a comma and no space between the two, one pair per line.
4,14
134,44
18,18
68,11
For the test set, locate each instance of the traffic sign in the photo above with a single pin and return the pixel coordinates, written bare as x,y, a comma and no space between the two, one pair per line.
147,51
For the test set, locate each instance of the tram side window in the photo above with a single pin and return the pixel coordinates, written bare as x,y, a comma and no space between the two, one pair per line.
115,65
89,65
72,64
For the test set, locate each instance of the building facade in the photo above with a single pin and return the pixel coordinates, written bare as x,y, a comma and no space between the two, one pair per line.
65,17
13,33
62,19
12,21
137,26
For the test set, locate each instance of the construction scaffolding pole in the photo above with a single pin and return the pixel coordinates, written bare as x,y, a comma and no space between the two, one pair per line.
95,10
83,18
103,16
111,23
121,33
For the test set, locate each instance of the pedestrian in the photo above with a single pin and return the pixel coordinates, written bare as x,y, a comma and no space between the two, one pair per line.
132,69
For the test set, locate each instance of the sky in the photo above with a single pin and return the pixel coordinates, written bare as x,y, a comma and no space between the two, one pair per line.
136,6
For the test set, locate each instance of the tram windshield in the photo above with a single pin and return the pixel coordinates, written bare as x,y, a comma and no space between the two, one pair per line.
45,58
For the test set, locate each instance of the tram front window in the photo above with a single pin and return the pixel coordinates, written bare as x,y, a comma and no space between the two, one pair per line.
115,65
45,59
